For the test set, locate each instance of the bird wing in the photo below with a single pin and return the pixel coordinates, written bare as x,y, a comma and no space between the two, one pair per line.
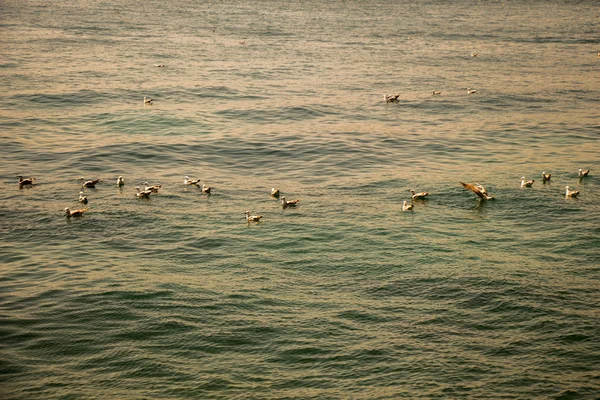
473,189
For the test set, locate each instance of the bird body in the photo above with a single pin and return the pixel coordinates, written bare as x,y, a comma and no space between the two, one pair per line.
546,177
436,93
159,65
275,192
82,198
120,181
571,193
89,184
25,181
525,183
74,213
147,101
583,174
471,91
418,196
291,203
253,218
391,98
406,206
474,54
188,181
153,189
145,193
206,189
478,189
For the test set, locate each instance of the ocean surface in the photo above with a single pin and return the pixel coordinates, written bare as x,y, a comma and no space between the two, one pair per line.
344,296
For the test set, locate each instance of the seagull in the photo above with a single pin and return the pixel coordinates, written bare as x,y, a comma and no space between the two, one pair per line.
525,183
206,189
474,54
188,181
120,181
159,65
436,93
291,203
391,98
26,181
153,189
82,198
275,192
471,91
478,190
583,174
145,193
147,101
89,184
546,177
75,213
571,193
406,206
418,196
253,218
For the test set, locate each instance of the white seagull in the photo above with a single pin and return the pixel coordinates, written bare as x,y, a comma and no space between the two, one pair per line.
406,206
291,203
583,174
82,198
188,181
418,196
206,189
89,184
120,181
478,189
253,218
471,91
391,98
546,177
153,189
145,193
525,183
275,192
147,101
74,213
436,93
159,65
571,193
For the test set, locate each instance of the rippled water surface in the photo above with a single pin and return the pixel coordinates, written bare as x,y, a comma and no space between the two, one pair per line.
344,296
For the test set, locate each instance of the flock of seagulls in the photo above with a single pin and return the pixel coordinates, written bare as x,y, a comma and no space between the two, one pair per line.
149,190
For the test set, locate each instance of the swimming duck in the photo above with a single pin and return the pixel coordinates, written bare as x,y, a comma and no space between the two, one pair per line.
25,181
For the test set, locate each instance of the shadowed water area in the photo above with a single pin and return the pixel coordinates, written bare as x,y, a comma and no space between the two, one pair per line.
344,296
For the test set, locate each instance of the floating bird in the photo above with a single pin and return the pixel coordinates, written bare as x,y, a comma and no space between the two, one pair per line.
418,196
145,193
478,189
571,193
25,181
436,93
525,183
291,203
120,181
253,218
546,177
206,189
474,54
74,213
159,65
82,198
153,189
391,98
275,192
406,206
147,101
471,91
583,174
188,181
242,42
89,184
